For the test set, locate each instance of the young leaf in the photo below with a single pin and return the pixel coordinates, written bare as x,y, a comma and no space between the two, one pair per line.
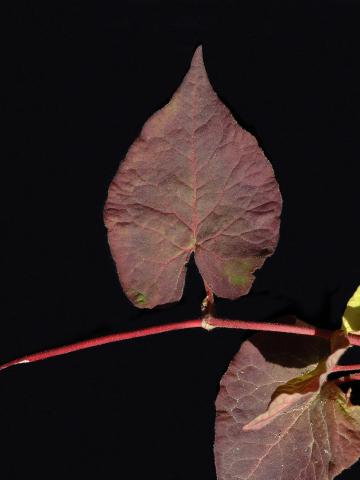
194,181
315,437
351,317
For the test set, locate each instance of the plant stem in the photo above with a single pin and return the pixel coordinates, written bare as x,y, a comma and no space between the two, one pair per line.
208,304
345,368
95,342
207,323
353,377
278,327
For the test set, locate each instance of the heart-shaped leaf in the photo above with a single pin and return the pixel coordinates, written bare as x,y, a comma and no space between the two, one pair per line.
194,181
314,438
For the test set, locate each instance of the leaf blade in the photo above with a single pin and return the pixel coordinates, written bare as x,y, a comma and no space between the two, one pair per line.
306,440
194,181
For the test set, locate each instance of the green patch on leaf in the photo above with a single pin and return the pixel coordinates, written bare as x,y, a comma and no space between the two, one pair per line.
140,299
237,280
238,272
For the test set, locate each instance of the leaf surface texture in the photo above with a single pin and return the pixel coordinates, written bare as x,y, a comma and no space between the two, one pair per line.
193,181
314,438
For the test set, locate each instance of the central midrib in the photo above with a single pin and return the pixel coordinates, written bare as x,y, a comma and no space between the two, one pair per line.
194,221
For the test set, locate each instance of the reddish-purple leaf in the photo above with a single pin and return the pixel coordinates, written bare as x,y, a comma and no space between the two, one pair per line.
194,181
306,384
313,438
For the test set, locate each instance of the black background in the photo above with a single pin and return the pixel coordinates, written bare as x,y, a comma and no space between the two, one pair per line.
84,77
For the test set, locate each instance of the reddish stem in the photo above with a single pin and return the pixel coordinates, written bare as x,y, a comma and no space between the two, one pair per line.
207,323
347,378
268,327
278,327
95,342
345,368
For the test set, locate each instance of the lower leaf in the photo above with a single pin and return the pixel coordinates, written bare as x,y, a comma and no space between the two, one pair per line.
314,438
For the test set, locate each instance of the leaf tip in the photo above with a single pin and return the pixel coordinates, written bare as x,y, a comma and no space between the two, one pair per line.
198,56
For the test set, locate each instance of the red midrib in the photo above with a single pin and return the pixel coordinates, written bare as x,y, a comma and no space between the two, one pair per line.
195,221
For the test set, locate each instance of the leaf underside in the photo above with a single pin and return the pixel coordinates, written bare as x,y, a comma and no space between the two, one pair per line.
193,182
314,438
